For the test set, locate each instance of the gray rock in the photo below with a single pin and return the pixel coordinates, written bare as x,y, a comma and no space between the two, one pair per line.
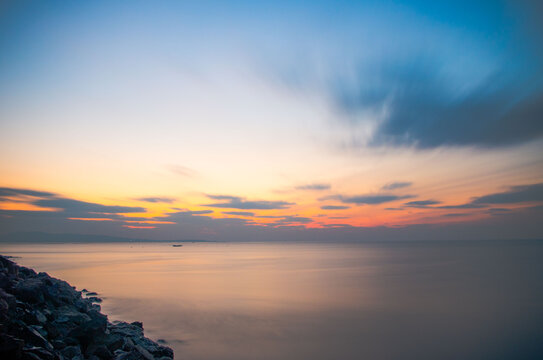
100,351
30,290
146,354
32,336
40,353
40,317
70,352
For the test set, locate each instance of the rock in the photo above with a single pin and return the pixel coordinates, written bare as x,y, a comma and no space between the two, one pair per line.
69,352
43,318
41,353
30,290
114,342
100,351
138,324
129,355
146,354
58,344
40,329
10,347
126,329
40,317
32,336
71,315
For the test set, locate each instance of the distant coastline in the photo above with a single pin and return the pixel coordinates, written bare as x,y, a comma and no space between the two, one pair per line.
36,237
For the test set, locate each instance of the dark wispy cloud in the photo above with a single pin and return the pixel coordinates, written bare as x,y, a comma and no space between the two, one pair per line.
76,206
239,213
313,187
236,202
335,207
462,206
191,212
515,194
423,110
396,185
156,199
455,215
498,211
372,199
14,192
421,203
290,220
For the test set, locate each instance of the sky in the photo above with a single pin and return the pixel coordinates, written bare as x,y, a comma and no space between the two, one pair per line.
298,120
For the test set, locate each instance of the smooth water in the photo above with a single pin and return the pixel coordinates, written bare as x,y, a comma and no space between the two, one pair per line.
480,300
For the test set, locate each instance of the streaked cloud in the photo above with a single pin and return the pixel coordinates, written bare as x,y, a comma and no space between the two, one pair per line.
156,199
76,206
422,203
235,202
7,192
181,170
335,207
372,199
421,110
396,185
313,187
239,213
515,194
190,213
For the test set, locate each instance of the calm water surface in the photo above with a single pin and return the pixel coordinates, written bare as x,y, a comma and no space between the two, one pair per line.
286,301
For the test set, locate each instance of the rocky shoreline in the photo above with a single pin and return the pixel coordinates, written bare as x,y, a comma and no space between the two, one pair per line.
43,318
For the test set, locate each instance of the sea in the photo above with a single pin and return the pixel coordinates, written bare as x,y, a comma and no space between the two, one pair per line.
285,300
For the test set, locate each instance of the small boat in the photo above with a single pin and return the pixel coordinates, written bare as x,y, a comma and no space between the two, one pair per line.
177,245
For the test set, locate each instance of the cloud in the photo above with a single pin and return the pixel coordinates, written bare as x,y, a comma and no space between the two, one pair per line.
289,220
157,199
191,212
239,213
415,104
76,206
224,197
516,194
498,211
397,185
5,192
235,202
335,207
372,199
422,203
456,215
314,187
461,206
181,170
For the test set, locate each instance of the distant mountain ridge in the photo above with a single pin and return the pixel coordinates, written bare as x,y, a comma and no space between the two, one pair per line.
43,237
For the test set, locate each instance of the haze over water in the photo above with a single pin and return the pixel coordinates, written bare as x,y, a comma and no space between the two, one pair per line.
441,300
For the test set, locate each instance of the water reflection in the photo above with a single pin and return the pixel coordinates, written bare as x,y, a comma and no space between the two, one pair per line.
318,301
